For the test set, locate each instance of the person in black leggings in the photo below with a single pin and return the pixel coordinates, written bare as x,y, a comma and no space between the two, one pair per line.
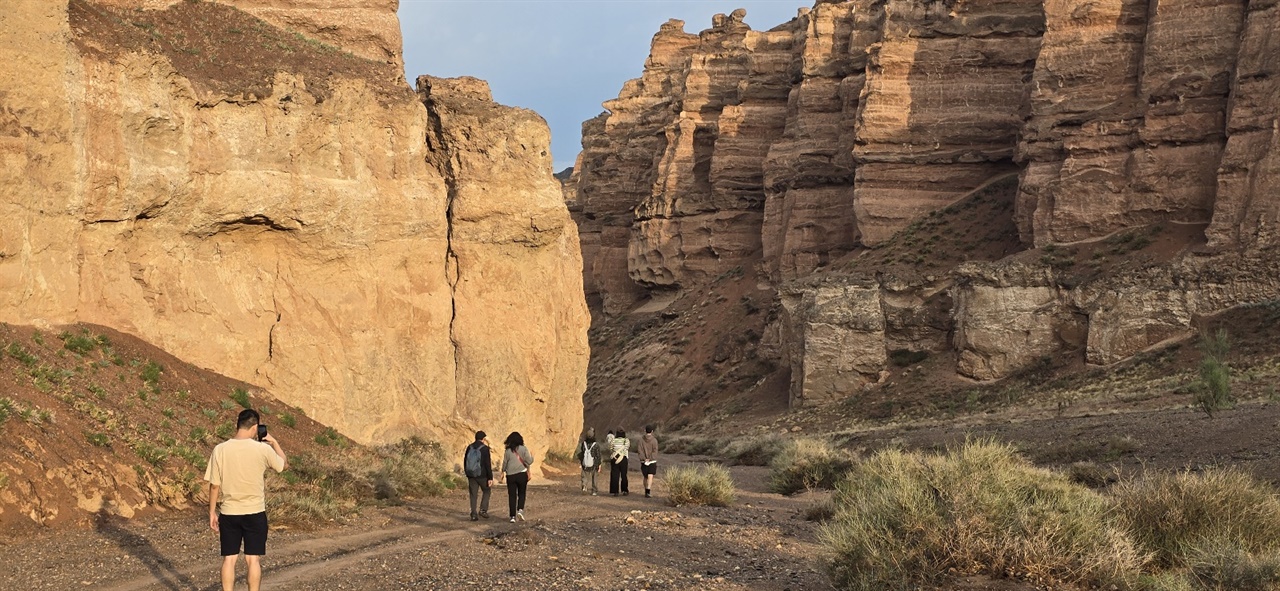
516,460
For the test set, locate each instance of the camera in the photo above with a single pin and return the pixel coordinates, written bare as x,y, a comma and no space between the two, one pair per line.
262,432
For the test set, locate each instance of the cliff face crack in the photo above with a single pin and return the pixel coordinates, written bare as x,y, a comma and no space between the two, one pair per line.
439,155
256,220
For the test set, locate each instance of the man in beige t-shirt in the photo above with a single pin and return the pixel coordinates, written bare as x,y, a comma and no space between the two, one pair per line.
236,477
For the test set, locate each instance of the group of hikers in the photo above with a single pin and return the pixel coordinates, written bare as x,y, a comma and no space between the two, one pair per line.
477,464
237,486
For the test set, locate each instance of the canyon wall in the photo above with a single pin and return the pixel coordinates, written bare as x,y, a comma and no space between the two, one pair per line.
803,150
394,263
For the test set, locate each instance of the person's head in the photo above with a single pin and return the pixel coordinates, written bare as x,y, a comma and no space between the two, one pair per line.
514,440
248,419
591,432
480,435
648,428
620,433
610,432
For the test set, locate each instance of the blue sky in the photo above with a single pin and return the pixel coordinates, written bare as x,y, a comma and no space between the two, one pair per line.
561,58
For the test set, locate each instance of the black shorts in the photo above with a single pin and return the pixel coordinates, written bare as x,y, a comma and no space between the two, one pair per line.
251,529
649,469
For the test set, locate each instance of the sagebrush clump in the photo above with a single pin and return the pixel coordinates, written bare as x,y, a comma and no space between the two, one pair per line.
706,484
805,464
905,520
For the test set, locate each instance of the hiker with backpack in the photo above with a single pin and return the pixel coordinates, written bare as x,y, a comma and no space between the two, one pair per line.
478,466
588,456
619,449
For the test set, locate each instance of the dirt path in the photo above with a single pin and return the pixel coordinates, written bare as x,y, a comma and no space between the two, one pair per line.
570,541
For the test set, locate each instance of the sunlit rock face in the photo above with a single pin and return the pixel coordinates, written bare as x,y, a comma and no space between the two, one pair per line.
394,263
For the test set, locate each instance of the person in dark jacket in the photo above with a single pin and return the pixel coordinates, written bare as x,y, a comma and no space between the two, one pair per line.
479,477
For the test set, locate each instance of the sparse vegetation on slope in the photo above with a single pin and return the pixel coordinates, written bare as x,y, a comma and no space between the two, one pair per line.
119,402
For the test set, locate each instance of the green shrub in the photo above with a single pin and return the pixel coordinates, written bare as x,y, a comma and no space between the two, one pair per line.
20,353
805,464
1175,517
706,484
6,409
288,420
224,430
1213,392
80,344
755,451
330,437
150,373
906,520
198,435
153,454
241,397
98,439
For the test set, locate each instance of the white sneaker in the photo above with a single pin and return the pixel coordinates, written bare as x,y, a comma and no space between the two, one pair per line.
520,514
513,520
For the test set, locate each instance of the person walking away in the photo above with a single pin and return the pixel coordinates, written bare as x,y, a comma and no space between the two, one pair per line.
619,449
588,456
516,460
478,465
238,496
608,440
648,459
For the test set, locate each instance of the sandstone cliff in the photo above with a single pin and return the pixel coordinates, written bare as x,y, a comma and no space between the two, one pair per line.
262,202
810,150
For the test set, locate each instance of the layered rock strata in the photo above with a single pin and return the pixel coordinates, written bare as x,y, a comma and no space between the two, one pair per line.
308,242
1115,115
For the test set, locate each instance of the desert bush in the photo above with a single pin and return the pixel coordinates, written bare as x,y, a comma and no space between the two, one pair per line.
822,510
805,464
1213,392
694,446
1176,517
905,520
241,397
316,488
755,451
1091,475
706,484
288,420
414,467
1223,565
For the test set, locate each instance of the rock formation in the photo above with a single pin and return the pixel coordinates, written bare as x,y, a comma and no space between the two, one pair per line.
278,216
816,143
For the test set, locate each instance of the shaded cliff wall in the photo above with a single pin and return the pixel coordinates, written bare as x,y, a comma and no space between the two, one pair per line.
287,224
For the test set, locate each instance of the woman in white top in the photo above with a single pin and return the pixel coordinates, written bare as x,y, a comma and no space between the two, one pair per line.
619,449
516,460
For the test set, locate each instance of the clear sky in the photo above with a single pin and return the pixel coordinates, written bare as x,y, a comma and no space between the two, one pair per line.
561,58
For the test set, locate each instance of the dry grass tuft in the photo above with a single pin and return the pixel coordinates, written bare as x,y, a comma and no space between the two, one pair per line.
806,464
904,520
706,484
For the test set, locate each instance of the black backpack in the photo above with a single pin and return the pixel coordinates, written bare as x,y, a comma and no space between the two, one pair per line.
471,462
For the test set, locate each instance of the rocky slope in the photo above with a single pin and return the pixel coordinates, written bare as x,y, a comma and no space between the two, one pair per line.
1131,145
260,201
